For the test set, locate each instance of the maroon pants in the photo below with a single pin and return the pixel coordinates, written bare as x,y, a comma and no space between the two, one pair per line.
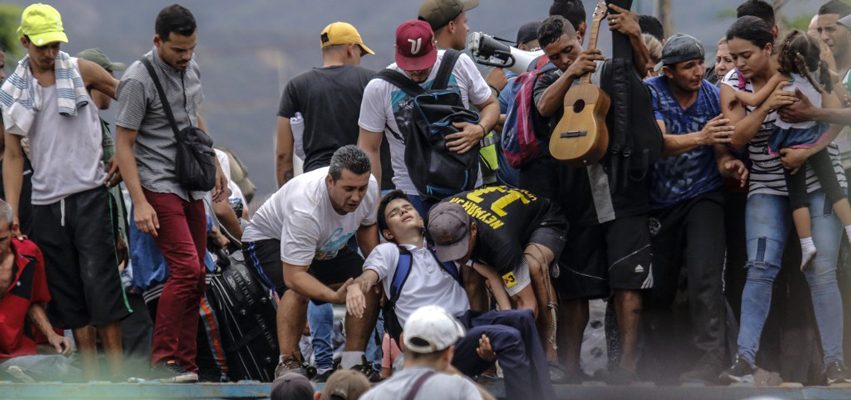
182,239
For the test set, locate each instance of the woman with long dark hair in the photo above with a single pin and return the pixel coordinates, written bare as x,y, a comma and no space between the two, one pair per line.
768,215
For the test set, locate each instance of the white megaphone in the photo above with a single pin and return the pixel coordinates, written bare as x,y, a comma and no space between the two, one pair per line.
492,52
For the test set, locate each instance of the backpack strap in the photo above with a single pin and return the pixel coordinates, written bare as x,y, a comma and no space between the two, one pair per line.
401,81
441,80
449,267
418,385
546,68
403,270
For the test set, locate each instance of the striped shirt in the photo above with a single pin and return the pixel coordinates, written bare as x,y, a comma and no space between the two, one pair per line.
843,140
766,173
140,109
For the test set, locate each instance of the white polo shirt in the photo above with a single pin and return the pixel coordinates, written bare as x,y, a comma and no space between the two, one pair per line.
427,285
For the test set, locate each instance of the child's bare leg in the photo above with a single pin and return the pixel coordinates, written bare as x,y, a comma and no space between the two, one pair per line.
801,217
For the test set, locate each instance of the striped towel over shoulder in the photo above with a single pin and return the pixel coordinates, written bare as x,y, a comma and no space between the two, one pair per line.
20,95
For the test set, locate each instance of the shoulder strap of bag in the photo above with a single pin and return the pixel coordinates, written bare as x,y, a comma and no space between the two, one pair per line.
449,267
441,80
401,81
163,98
403,270
419,384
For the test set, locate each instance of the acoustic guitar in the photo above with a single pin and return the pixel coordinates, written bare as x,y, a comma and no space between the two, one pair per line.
581,138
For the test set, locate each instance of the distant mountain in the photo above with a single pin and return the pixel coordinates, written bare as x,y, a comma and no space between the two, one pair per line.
249,49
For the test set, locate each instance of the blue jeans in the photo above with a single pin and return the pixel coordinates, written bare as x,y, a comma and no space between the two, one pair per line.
768,221
518,349
374,352
321,320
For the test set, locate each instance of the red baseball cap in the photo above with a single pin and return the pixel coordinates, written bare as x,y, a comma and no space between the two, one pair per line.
415,47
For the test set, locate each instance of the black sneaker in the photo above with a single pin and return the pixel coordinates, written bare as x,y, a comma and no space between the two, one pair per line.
740,372
291,364
703,373
371,374
322,377
837,373
171,372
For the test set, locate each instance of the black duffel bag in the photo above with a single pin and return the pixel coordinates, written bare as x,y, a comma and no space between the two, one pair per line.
247,314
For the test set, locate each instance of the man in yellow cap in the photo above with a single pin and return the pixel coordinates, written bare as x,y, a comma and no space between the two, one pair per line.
46,101
328,98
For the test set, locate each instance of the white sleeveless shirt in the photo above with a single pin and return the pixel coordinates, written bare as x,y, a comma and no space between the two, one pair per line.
66,151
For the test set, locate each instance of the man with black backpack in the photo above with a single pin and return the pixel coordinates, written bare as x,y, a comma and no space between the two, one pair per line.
412,277
398,104
158,97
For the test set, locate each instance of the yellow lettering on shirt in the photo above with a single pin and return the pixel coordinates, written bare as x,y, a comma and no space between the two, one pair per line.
499,205
474,211
476,194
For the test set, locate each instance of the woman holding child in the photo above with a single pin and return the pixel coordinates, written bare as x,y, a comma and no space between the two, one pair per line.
769,215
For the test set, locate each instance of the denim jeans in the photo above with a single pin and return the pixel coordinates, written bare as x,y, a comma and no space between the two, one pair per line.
374,352
321,320
768,221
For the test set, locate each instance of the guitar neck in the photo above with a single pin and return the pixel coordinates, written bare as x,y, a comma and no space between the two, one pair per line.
592,44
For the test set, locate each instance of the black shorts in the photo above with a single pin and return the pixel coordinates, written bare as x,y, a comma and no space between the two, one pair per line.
77,238
601,258
265,257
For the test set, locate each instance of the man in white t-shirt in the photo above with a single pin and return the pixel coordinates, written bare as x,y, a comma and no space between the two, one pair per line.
382,110
421,280
306,225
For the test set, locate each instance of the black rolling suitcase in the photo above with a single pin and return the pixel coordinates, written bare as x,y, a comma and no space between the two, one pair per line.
246,311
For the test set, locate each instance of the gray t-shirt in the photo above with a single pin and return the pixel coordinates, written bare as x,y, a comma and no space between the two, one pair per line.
140,108
438,386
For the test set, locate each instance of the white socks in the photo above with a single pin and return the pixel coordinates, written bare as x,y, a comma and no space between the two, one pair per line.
848,231
808,251
352,358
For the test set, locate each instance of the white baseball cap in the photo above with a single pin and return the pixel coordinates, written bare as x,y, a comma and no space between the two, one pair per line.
431,329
